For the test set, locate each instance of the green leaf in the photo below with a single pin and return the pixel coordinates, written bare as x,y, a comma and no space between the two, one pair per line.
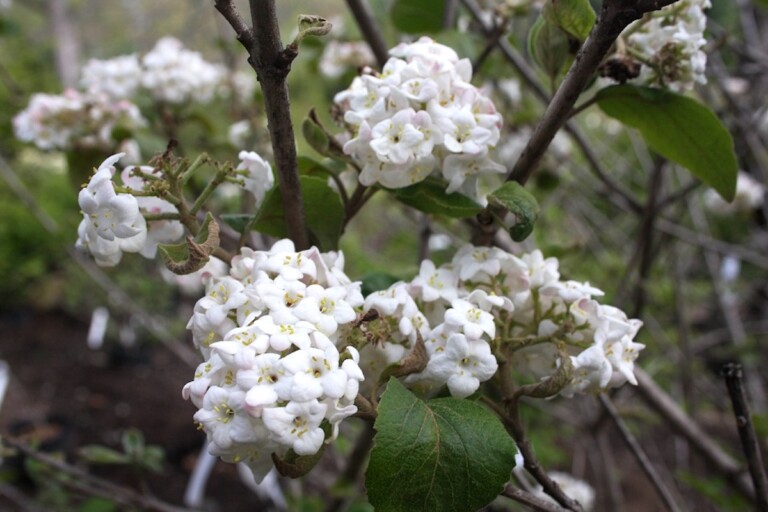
679,129
574,16
323,210
415,17
549,47
514,198
102,455
446,454
429,197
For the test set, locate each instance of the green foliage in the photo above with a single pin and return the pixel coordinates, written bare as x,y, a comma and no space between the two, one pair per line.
323,208
429,196
678,128
27,251
418,17
521,203
574,16
434,455
549,47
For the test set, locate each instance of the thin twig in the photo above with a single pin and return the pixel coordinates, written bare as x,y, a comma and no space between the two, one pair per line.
531,500
733,380
645,238
370,30
640,456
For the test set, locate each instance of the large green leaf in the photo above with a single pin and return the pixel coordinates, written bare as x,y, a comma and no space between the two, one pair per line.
574,16
679,129
429,196
419,16
446,454
322,207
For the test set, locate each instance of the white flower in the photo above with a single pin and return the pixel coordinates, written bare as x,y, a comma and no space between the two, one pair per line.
472,320
224,418
297,425
463,364
259,178
432,283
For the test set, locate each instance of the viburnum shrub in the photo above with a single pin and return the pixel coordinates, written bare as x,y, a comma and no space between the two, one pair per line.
291,347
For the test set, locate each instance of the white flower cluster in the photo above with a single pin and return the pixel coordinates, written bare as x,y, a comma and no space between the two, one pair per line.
119,77
113,223
669,45
750,195
169,72
75,120
340,56
174,74
273,378
487,300
421,115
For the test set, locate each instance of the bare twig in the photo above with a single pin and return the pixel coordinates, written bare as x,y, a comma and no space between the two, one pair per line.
732,375
370,30
531,500
640,456
645,238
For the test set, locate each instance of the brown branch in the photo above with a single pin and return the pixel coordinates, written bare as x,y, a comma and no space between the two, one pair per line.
615,16
370,30
749,443
531,500
272,63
